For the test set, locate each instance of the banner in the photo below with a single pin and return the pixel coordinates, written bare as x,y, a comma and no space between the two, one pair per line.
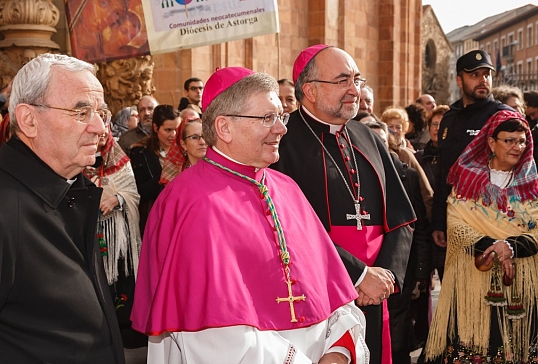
180,24
104,30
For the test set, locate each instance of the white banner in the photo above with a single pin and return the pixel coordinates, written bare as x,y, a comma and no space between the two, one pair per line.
180,24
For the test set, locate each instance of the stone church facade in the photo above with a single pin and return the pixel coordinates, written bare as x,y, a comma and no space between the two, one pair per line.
437,62
384,38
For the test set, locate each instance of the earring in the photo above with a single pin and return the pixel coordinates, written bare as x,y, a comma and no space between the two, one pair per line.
493,155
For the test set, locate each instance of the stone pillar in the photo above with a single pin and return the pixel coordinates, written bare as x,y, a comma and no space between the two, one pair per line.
27,27
125,81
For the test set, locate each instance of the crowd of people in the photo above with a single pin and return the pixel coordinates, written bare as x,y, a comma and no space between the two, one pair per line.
266,221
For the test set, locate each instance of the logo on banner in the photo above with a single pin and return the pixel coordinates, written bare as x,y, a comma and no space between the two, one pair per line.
165,4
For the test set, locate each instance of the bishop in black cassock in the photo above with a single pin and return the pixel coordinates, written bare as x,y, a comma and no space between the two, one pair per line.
347,175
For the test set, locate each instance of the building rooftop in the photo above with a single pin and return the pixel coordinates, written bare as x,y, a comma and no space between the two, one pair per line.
486,25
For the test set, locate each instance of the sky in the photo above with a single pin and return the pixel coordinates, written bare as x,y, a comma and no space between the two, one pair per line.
453,14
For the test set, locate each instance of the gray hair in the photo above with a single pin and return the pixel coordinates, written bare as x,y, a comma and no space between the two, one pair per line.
30,84
235,100
119,122
310,72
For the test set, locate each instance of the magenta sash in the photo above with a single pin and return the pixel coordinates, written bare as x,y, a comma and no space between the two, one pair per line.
365,245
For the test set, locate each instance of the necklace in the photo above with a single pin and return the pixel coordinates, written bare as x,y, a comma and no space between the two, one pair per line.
499,178
357,216
284,254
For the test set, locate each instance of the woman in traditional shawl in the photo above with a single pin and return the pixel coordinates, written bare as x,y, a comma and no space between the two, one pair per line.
188,148
487,304
118,231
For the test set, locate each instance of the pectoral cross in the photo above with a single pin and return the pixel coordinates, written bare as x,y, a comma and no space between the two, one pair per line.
291,298
358,216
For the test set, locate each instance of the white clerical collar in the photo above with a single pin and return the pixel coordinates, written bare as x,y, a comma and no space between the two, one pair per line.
333,129
71,181
231,159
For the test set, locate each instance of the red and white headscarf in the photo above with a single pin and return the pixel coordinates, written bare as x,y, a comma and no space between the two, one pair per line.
114,158
470,174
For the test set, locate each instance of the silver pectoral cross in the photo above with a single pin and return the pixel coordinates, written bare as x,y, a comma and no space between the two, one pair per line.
358,216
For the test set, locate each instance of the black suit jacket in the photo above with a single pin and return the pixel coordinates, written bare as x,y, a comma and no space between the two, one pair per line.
303,159
55,305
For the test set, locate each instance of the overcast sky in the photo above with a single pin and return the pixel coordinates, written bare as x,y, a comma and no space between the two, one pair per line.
453,14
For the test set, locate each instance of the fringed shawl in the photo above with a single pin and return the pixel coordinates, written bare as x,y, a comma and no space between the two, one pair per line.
461,309
470,174
120,229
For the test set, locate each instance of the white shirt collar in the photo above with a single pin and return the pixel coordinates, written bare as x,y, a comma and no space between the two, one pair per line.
231,159
332,128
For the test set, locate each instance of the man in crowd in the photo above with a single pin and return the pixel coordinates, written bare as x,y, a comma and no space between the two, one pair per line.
233,254
192,95
55,304
427,102
146,105
366,101
286,94
531,107
347,175
459,126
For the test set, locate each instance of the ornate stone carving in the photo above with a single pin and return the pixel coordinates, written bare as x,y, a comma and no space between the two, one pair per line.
27,27
38,12
28,23
125,81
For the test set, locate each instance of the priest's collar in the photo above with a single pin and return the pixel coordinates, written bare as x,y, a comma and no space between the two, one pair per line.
333,129
233,160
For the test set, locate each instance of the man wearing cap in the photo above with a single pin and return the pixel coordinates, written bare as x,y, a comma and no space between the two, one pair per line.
235,265
347,174
459,126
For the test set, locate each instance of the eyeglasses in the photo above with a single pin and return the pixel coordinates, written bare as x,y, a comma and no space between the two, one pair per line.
194,88
194,137
268,120
345,83
513,141
85,114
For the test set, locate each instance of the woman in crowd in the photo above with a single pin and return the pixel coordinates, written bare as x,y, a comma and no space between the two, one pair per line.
192,142
511,96
397,120
118,232
427,157
487,304
148,155
126,119
417,133
180,157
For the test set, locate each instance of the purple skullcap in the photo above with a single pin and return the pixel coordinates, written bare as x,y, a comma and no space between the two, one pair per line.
220,81
305,57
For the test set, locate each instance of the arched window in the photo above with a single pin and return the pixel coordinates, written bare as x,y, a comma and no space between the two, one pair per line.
430,55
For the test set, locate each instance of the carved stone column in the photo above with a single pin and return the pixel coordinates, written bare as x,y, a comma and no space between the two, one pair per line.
27,27
125,81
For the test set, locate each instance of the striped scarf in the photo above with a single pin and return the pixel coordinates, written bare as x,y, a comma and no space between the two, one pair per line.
469,176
